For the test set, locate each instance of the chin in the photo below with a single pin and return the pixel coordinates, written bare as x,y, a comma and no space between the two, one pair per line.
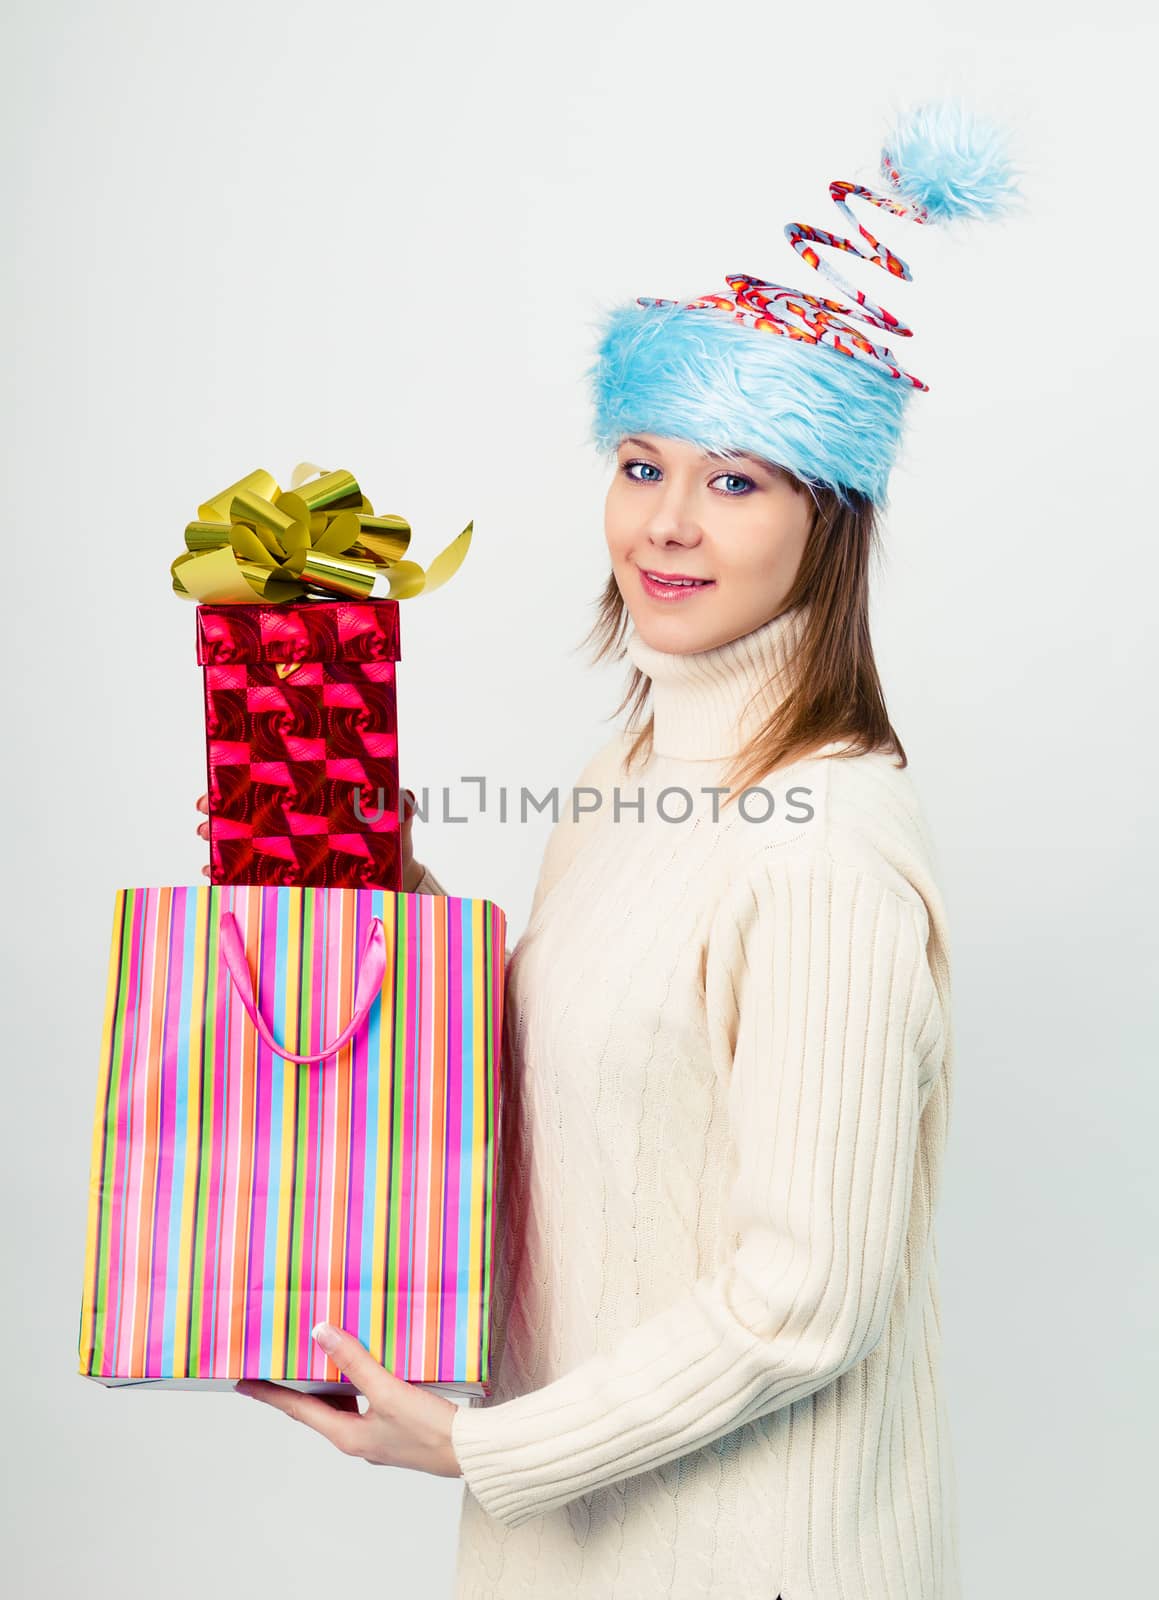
676,635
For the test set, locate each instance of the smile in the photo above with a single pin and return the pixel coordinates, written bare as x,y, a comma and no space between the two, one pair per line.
673,587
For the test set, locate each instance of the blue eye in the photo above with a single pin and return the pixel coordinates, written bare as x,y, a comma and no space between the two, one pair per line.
737,477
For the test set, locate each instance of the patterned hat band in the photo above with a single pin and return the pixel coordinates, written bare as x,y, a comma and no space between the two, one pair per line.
678,368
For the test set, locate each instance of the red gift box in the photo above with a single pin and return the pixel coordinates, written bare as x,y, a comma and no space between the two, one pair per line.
301,726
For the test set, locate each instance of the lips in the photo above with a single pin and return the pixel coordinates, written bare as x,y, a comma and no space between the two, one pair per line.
670,590
674,577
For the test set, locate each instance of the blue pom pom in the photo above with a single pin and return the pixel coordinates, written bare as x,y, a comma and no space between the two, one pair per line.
952,161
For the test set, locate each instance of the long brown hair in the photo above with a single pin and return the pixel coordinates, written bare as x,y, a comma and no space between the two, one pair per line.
836,693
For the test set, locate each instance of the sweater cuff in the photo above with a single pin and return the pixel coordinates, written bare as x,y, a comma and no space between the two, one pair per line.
478,1456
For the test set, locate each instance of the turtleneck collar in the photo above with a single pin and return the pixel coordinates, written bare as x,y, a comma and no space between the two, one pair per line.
699,700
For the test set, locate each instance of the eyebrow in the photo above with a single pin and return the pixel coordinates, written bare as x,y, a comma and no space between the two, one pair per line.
742,455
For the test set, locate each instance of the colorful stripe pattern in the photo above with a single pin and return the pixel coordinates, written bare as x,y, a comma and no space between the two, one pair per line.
237,1199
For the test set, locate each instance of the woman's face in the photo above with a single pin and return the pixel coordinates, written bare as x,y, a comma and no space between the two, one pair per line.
676,511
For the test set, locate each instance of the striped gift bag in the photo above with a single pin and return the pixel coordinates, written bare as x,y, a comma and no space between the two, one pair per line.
296,1122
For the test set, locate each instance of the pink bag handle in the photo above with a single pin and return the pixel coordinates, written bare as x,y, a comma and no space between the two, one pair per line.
371,971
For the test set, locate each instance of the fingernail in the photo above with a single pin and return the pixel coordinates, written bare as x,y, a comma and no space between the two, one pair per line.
325,1335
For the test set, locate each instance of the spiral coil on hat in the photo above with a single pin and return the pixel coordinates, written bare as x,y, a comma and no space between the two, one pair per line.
814,319
942,162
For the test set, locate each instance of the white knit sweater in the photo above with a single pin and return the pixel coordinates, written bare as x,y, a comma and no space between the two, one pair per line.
727,1057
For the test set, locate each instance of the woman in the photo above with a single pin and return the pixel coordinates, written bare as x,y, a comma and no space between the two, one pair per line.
727,1041
727,1074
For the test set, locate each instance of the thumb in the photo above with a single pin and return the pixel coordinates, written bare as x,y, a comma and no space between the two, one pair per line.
355,1361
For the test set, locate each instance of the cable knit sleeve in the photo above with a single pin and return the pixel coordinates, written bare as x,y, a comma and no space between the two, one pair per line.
823,1021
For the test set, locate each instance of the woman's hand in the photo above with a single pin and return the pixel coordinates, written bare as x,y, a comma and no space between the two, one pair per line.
203,827
412,870
405,1425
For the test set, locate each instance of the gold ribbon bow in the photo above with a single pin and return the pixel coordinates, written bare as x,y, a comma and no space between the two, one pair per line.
254,541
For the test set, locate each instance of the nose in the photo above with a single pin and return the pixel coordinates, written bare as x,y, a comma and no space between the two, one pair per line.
670,518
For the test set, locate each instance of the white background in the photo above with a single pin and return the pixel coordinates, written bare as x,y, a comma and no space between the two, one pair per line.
378,236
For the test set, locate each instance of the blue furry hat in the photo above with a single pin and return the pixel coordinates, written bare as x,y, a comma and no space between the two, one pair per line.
784,374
